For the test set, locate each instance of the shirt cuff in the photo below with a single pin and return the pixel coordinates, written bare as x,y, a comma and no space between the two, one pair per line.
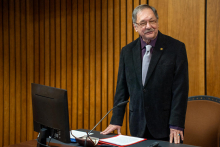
176,128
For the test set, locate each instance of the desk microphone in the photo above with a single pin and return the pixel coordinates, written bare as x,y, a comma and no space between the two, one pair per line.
122,103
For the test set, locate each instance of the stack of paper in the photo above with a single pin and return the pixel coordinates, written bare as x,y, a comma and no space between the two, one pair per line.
121,140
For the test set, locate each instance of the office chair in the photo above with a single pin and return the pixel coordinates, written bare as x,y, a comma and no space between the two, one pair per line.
202,121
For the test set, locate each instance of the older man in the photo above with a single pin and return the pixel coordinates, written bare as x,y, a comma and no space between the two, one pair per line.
153,72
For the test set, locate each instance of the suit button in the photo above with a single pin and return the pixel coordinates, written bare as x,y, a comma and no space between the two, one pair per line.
144,90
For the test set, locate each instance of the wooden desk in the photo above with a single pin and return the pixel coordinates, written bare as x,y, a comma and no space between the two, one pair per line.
33,143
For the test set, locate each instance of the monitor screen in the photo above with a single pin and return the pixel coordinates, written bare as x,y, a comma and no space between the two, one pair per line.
50,113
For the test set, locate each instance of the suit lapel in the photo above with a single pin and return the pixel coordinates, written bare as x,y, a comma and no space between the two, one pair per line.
137,61
157,52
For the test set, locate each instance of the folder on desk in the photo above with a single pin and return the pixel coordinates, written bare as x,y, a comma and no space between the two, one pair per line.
121,140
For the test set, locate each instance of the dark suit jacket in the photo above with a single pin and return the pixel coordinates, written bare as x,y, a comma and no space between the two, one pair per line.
162,101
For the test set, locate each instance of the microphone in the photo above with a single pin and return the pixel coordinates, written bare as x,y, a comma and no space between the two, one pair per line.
120,104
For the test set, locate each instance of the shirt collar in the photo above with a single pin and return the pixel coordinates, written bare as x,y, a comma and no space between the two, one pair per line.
152,43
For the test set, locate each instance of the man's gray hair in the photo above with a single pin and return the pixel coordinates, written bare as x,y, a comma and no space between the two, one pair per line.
140,8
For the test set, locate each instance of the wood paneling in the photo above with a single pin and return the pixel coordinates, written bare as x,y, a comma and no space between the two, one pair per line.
1,76
74,60
23,72
110,58
86,53
18,72
30,67
185,21
80,65
12,69
212,45
57,43
69,55
98,45
75,45
6,53
92,61
104,60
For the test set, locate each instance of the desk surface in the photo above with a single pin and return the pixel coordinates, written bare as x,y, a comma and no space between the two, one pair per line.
33,143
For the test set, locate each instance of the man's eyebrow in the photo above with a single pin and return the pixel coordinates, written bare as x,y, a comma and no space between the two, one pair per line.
145,20
142,21
151,18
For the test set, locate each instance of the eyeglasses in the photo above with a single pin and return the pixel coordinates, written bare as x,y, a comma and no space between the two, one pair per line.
143,24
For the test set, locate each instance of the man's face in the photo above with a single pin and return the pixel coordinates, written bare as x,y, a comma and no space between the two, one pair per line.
147,25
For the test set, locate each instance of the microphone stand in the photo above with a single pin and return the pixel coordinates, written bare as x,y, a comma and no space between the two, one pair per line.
122,103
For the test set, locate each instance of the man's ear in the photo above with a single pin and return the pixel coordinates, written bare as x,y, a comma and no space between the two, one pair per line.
135,27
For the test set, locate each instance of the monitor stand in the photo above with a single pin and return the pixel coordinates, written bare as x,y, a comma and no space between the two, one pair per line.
44,134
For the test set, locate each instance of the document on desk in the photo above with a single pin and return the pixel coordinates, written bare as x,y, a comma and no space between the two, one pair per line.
122,140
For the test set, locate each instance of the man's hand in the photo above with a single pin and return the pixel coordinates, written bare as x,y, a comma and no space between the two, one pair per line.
111,128
176,135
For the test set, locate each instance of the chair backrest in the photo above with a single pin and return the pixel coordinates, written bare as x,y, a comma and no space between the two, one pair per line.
202,121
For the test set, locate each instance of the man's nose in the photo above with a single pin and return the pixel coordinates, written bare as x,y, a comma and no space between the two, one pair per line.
147,26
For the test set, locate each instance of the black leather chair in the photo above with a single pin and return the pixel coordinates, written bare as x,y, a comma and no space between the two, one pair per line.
202,121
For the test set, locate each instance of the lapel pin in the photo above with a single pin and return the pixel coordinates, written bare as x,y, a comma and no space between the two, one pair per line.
161,49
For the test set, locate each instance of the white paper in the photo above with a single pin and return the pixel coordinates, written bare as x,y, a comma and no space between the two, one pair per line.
122,140
78,133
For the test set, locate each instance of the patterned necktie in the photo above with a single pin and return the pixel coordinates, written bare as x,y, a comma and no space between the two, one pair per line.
146,62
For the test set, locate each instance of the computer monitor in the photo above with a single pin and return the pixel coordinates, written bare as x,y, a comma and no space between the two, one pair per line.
50,113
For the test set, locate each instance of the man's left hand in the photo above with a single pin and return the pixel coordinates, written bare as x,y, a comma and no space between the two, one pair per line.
176,135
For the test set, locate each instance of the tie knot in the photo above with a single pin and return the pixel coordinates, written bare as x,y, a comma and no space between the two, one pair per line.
148,47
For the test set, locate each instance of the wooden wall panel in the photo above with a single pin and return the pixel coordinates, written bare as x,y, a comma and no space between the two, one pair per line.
63,44
6,54
23,72
30,67
98,65
116,38
104,49
92,68
80,65
110,59
86,52
75,45
47,42
36,33
212,45
52,44
12,69
69,55
18,72
42,41
74,60
117,42
1,75
185,21
58,44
